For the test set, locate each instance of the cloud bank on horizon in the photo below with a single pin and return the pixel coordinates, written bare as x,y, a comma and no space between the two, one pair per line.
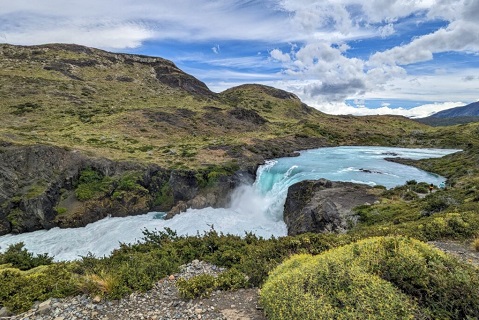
405,57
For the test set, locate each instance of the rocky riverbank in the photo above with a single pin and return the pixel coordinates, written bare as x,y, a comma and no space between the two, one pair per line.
160,303
42,187
324,206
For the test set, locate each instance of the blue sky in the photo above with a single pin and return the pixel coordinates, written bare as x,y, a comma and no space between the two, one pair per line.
406,57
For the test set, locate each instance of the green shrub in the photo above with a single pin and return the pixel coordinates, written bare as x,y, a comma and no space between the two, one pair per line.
437,202
203,285
384,277
20,258
20,289
89,175
165,198
61,210
200,286
308,288
409,196
92,185
125,271
232,279
130,182
422,188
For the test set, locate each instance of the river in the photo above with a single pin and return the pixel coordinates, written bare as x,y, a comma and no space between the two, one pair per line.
256,208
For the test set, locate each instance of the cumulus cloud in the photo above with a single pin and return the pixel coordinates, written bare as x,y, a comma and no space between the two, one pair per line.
339,76
336,91
278,55
387,30
458,36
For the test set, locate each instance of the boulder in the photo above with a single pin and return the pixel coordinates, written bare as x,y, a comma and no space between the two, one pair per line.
324,206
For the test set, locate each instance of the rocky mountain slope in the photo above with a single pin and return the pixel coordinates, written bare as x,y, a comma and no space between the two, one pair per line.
459,115
86,133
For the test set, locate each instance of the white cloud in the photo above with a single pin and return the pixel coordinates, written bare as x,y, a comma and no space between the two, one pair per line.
188,20
458,36
108,37
216,49
280,56
387,30
417,112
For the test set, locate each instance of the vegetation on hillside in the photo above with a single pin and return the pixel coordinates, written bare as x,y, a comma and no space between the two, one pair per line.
145,109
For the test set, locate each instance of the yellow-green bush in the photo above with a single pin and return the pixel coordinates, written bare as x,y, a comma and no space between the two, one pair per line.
19,289
305,287
475,244
204,284
382,277
197,287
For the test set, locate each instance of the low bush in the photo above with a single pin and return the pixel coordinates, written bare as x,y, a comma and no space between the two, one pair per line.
200,286
125,271
92,185
20,289
18,257
437,202
203,285
383,277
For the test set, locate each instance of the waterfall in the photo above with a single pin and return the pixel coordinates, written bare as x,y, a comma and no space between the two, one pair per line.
256,208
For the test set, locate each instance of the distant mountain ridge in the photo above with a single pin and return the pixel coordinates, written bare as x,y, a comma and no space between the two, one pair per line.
458,115
470,110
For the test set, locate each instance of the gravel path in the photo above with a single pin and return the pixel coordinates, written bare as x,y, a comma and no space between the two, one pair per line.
160,303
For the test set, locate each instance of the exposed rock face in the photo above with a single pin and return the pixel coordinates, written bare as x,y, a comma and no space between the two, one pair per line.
38,187
216,196
323,206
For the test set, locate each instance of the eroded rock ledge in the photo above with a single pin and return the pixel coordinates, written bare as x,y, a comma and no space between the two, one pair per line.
324,206
42,187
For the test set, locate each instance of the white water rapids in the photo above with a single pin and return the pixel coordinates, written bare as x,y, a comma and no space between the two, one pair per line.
256,208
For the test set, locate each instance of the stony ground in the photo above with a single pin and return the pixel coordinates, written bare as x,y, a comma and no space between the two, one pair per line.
463,251
160,303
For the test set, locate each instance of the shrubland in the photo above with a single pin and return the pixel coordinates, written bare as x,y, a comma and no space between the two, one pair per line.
145,109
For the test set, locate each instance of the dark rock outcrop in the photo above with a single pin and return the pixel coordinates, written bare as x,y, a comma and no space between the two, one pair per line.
38,186
324,206
248,115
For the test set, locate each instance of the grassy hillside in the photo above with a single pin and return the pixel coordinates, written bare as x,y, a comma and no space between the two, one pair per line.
146,109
